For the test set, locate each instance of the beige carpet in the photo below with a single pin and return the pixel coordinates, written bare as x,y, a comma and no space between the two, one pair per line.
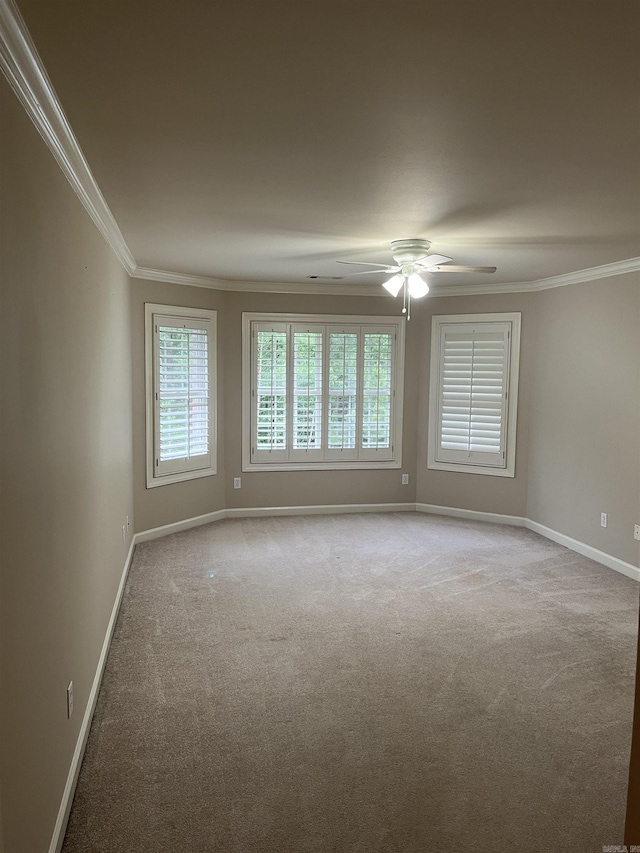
388,683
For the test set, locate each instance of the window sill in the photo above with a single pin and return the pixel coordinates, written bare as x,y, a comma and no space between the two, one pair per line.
471,469
167,479
319,466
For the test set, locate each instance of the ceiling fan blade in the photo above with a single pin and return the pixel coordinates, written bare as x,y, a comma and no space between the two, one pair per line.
366,264
461,268
433,261
387,271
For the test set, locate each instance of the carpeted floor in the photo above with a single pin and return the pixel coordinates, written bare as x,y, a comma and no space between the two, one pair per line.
379,683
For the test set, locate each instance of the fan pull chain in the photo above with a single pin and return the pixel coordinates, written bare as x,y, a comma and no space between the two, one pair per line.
406,297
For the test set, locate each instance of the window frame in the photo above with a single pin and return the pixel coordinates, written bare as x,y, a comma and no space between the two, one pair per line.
331,322
439,324
203,318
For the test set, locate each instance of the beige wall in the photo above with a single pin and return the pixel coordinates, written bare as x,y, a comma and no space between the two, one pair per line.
479,492
300,488
176,501
579,344
166,504
584,443
578,438
66,462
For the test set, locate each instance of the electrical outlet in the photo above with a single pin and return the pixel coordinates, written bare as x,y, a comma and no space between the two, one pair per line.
603,519
237,483
636,531
405,479
70,700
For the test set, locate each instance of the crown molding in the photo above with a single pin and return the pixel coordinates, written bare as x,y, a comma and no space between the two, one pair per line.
315,289
576,277
27,77
589,274
323,288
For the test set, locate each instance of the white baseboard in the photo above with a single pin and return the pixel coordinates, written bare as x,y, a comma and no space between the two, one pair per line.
178,526
57,839
584,549
517,521
472,515
334,509
319,509
263,511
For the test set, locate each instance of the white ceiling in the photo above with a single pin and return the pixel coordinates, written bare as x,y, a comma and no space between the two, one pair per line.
265,140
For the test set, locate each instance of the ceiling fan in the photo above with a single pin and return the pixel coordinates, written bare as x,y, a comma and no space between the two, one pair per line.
412,261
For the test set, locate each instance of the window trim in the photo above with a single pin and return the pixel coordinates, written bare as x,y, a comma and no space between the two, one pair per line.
248,318
438,322
151,310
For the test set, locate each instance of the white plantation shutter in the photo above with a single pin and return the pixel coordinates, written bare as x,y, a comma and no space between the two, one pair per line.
322,393
270,395
183,393
376,390
473,401
307,404
343,387
180,406
472,420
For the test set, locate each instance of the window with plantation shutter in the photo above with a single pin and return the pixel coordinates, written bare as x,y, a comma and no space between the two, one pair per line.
473,395
342,386
271,390
376,390
322,391
180,351
307,390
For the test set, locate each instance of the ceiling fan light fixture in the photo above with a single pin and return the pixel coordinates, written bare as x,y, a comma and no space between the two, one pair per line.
418,287
394,284
412,261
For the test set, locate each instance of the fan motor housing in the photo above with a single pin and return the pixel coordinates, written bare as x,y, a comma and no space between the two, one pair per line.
411,250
